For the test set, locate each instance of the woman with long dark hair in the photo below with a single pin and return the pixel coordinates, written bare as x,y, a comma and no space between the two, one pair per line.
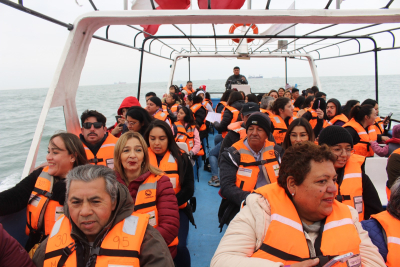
361,117
298,131
283,116
166,155
222,103
187,130
348,106
138,119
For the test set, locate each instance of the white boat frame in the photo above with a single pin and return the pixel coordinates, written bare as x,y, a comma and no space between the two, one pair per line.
63,88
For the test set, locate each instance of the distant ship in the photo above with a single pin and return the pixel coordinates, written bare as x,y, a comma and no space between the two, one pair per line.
255,77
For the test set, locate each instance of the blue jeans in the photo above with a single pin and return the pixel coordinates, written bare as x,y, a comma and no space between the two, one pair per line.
217,139
213,159
182,258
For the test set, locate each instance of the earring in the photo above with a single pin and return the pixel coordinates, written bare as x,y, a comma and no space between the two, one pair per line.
292,194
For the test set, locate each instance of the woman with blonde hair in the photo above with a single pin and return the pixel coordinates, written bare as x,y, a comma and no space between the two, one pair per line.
150,189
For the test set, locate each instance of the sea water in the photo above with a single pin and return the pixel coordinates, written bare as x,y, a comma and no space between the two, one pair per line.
20,109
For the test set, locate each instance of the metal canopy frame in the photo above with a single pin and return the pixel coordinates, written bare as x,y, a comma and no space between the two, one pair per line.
62,91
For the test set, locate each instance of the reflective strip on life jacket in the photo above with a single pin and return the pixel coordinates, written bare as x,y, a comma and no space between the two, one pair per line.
185,135
237,127
105,155
363,147
280,128
340,117
247,173
285,240
120,247
235,115
350,191
41,212
392,230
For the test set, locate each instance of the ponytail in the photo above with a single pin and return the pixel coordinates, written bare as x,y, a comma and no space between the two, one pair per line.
359,112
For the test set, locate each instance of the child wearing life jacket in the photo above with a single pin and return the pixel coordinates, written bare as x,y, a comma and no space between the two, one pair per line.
391,145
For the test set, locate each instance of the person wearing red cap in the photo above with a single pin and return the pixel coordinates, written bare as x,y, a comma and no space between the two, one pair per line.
119,127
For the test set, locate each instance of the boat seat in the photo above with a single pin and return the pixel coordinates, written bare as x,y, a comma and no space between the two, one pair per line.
183,146
375,168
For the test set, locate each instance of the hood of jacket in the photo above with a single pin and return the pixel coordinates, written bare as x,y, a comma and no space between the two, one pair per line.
123,209
128,102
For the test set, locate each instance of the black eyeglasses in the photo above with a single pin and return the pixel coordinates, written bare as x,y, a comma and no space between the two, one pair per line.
88,125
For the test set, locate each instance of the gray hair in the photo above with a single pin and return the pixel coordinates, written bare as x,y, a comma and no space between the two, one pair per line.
393,206
88,173
266,102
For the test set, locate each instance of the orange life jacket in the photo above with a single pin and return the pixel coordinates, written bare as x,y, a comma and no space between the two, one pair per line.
351,188
266,111
220,103
105,155
363,147
169,166
280,128
162,115
120,247
379,127
185,135
209,101
41,212
285,235
174,107
392,230
295,110
238,128
247,173
194,109
313,120
340,117
187,90
235,115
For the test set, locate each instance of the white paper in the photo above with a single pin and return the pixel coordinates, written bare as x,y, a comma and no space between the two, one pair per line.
212,116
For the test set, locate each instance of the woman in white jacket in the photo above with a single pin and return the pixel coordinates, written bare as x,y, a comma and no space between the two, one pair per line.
297,221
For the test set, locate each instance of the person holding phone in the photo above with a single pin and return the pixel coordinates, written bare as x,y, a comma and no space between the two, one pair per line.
297,221
315,115
379,124
119,127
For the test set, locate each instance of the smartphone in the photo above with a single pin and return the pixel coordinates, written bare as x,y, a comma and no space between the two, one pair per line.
118,117
319,102
390,115
342,258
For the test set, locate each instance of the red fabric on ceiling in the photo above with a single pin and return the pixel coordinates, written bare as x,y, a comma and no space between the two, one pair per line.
221,4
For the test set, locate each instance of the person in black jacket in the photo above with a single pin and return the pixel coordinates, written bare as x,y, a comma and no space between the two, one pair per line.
236,78
160,133
199,115
65,151
236,101
341,144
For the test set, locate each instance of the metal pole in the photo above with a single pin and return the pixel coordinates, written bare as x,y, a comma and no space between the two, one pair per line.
141,68
338,4
189,67
248,4
285,70
376,74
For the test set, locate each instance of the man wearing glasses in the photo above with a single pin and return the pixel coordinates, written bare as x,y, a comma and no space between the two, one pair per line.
98,143
354,186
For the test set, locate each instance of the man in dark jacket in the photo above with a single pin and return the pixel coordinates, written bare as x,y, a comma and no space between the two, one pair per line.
96,203
236,78
258,128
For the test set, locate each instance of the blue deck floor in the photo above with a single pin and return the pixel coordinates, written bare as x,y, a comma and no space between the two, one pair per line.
203,241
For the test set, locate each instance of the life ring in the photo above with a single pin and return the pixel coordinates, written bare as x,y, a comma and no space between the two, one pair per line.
234,26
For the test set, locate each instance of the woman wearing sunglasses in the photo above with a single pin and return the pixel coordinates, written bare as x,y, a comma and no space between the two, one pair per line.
44,189
166,155
354,186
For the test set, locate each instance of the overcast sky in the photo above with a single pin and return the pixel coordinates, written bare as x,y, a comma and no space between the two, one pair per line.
30,48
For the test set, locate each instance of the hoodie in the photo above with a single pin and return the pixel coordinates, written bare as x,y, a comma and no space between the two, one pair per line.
153,252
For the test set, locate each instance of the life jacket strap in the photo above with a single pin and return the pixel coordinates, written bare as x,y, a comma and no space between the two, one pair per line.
42,192
171,172
95,160
114,252
341,198
144,205
281,130
64,252
257,163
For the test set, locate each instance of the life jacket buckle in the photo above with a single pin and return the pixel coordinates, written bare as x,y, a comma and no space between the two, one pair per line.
69,249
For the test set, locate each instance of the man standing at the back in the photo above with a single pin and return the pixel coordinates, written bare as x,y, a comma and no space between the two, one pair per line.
98,143
236,78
